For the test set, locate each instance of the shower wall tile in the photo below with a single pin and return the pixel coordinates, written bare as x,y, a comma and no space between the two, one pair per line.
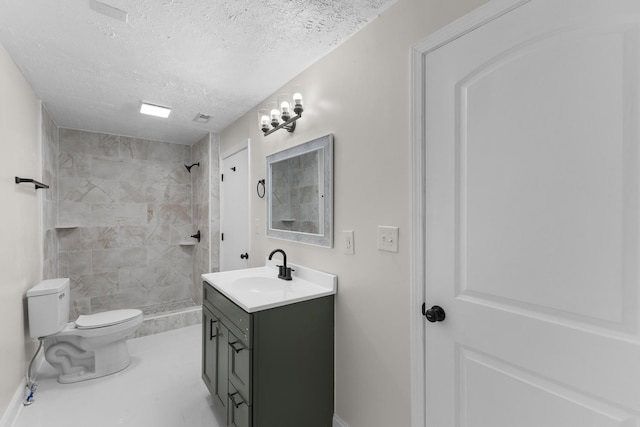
78,239
113,168
182,233
107,260
131,200
72,213
173,214
88,190
75,264
119,214
214,209
201,153
95,285
96,144
142,149
49,197
79,305
120,300
74,165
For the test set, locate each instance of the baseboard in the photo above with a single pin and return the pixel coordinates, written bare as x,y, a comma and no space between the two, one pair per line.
11,414
337,422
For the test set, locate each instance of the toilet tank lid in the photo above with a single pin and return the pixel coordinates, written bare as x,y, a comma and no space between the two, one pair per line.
106,318
49,286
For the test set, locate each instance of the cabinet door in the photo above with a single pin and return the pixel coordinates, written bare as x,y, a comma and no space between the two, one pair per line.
220,394
239,414
209,353
240,366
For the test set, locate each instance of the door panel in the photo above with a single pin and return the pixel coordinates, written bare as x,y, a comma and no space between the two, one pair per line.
535,398
526,192
531,230
235,212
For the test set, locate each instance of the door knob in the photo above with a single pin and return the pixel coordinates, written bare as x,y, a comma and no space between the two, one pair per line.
434,314
244,256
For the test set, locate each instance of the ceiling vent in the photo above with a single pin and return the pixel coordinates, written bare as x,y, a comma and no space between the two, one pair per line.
202,118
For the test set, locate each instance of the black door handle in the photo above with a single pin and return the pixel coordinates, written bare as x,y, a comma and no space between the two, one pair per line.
244,256
434,314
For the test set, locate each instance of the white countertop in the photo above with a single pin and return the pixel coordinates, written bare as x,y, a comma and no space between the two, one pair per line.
255,289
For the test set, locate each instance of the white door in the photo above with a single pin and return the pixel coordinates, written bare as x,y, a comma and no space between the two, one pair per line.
234,195
531,231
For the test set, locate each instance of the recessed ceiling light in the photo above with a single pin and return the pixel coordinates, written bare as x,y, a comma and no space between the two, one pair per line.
155,110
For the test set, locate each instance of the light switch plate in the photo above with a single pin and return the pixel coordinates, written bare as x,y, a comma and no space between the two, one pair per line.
347,238
387,238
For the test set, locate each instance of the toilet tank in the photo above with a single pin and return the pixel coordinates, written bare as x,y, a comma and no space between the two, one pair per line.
48,306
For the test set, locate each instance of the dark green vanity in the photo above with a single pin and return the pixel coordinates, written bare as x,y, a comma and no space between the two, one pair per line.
272,367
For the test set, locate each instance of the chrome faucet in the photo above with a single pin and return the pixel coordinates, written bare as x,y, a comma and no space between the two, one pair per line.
284,272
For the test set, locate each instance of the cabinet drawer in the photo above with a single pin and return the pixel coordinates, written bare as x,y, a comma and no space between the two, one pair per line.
240,367
239,410
238,317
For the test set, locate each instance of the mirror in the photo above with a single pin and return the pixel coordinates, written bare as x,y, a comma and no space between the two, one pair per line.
299,191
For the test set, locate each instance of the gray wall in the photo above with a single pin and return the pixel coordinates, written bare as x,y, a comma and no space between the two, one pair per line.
128,204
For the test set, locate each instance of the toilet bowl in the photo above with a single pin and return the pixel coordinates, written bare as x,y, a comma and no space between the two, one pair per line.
93,346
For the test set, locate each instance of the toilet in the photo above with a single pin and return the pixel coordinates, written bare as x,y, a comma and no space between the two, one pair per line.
93,346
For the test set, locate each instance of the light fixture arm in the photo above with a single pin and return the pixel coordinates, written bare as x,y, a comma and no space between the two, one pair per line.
289,125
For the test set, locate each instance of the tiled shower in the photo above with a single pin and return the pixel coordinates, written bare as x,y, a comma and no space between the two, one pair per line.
117,222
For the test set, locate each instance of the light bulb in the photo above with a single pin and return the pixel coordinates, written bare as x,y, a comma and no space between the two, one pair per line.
285,107
264,120
297,99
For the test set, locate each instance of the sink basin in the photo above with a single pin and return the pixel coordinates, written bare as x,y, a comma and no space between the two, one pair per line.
255,289
257,284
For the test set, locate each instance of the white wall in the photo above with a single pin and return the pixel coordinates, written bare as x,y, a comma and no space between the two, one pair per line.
361,93
20,231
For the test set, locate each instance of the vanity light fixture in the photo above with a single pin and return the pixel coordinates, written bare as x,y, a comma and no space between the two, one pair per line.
155,110
274,119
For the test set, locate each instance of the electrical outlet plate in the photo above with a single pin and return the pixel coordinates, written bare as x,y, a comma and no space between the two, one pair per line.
347,239
387,238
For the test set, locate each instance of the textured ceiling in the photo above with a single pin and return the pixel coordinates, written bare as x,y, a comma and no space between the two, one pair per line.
91,67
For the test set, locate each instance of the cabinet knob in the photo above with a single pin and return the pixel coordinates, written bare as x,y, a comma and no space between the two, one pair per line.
244,256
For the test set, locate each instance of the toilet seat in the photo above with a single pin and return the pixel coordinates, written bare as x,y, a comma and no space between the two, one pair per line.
106,318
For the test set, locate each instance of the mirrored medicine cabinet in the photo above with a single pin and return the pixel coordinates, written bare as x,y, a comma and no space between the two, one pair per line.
300,193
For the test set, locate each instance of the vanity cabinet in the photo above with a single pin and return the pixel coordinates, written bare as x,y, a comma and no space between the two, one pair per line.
269,368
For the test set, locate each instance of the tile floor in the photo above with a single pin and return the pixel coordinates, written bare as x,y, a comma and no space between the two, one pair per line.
161,388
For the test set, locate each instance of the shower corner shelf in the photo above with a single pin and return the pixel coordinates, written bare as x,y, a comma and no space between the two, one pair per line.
187,243
66,226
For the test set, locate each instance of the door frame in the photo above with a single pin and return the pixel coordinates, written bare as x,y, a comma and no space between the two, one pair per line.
243,145
449,33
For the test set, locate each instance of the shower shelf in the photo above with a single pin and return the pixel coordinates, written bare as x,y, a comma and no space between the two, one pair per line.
66,226
186,243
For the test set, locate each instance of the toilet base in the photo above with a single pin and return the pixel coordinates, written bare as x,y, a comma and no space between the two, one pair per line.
76,362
